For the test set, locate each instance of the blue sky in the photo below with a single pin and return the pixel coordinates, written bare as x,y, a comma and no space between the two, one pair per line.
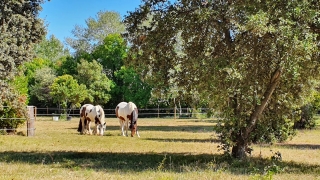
61,16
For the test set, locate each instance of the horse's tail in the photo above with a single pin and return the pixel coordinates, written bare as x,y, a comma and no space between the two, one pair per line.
80,126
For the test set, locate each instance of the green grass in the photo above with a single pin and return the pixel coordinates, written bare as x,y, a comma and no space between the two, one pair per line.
168,149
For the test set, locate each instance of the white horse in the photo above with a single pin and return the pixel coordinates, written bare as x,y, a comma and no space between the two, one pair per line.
127,112
89,113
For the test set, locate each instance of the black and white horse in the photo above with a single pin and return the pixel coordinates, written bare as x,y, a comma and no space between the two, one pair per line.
88,114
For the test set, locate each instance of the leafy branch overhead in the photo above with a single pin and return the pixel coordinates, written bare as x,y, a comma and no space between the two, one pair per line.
254,61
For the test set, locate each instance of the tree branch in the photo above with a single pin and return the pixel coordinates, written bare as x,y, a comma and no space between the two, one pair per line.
275,79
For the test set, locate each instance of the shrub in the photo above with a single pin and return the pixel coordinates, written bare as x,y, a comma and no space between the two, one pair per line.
12,114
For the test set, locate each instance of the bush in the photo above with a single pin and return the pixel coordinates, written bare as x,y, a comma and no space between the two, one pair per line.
307,120
8,121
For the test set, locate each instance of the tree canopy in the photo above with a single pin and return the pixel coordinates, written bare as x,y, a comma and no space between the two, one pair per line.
44,78
20,29
51,49
111,53
86,38
255,61
66,91
95,80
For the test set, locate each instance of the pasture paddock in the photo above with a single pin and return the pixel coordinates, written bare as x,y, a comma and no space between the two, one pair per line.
167,149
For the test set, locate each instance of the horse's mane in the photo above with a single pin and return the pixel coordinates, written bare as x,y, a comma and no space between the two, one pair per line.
131,107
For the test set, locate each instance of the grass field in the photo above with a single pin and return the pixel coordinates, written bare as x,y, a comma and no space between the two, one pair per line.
168,149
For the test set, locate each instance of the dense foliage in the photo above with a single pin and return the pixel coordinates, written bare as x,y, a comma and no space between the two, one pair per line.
254,61
20,29
101,70
66,92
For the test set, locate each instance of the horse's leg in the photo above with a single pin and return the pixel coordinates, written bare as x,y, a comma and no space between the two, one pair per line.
122,126
127,124
120,122
86,123
95,130
89,127
83,126
137,130
79,126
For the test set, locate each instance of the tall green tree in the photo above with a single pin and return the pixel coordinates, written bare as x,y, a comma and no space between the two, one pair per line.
66,65
111,54
44,78
96,29
254,60
51,49
97,83
66,92
29,70
20,30
131,88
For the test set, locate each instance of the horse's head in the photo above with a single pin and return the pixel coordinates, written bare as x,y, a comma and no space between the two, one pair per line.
101,128
100,120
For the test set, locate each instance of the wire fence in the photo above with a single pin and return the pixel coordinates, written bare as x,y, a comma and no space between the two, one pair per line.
143,113
33,112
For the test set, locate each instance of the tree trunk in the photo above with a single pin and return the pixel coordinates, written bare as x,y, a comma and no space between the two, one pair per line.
240,149
242,138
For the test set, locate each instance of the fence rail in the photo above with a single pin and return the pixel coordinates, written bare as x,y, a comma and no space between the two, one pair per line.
143,113
33,112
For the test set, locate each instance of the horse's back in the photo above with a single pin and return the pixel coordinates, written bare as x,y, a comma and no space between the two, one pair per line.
85,108
121,109
133,107
122,105
90,112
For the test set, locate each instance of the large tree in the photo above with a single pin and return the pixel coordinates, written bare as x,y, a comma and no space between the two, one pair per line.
96,29
129,87
51,49
254,60
29,70
44,78
66,92
20,29
97,83
111,54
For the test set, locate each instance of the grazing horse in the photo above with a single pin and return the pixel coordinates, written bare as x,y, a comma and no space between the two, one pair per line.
89,113
127,112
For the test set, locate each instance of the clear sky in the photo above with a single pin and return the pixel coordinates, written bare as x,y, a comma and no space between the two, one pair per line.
61,16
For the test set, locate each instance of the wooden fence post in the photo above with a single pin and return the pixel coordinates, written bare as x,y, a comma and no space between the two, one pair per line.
31,120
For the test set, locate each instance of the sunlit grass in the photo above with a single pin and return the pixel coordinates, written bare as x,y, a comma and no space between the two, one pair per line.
167,149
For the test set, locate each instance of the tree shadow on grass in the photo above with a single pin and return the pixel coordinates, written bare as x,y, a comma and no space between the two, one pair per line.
138,162
199,120
209,140
300,146
184,128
